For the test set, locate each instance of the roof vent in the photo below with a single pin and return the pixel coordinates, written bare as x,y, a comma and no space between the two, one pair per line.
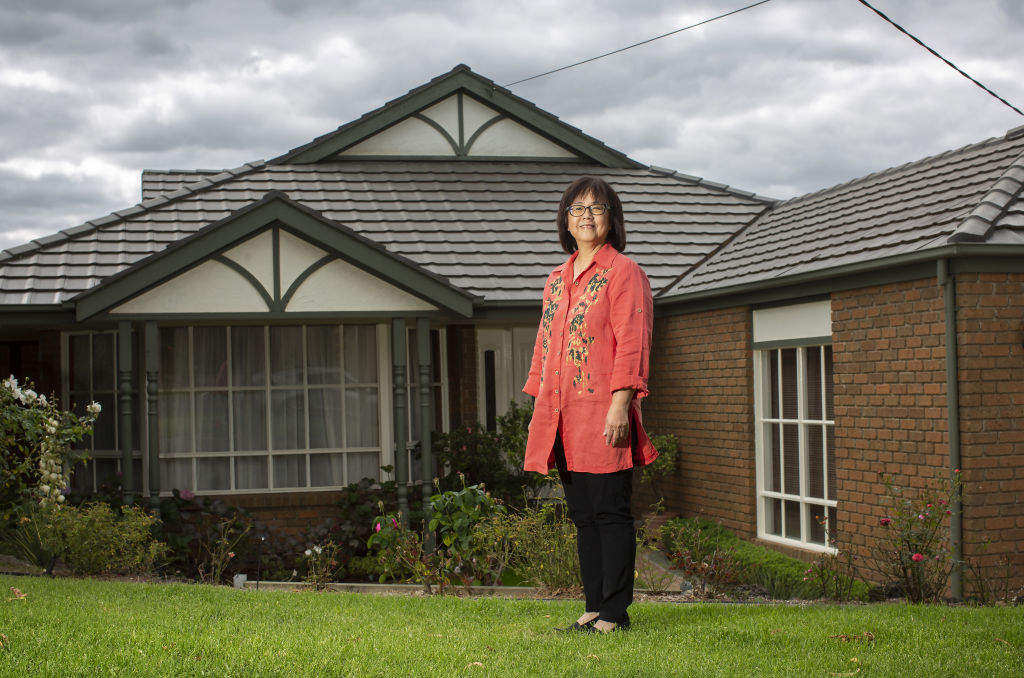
1015,133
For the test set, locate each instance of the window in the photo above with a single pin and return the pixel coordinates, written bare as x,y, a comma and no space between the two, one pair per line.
91,375
795,449
252,408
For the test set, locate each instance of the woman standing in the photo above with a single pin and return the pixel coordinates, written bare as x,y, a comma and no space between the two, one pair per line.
589,370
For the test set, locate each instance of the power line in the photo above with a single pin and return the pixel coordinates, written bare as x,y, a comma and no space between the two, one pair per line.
643,42
944,59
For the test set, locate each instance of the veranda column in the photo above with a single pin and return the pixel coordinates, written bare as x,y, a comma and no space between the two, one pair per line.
398,376
126,380
152,393
426,418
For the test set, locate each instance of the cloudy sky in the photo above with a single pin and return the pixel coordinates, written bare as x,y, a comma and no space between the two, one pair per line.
783,99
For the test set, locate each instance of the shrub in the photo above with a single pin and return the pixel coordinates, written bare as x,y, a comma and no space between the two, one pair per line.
37,439
913,548
321,565
401,554
94,539
664,465
543,546
490,458
454,517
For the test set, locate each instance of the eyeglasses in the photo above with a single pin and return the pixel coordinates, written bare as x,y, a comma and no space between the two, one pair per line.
597,209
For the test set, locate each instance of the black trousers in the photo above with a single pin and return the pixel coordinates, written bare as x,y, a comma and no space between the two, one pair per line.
599,506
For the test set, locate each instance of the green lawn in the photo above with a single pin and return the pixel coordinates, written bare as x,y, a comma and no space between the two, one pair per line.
92,628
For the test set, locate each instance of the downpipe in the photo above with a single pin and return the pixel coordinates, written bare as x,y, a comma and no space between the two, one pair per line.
948,283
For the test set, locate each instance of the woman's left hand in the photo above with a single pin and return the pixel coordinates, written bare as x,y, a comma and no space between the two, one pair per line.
616,424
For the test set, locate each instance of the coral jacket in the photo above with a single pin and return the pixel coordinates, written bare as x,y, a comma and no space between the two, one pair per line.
594,339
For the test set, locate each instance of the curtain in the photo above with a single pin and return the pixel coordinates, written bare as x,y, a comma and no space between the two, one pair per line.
290,470
327,469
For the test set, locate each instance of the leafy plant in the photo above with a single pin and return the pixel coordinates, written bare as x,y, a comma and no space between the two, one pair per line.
37,439
665,465
913,547
650,575
708,563
543,545
401,555
321,565
93,539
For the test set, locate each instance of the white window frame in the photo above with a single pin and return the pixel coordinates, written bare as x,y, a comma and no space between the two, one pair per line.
797,327
384,417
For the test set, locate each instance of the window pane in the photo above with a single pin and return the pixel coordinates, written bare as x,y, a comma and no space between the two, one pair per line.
792,519
829,412
211,421
773,516
103,364
323,354
106,424
213,474
173,357
288,420
175,425
176,474
813,377
210,356
107,474
251,473
290,470
363,465
326,470
773,458
830,456
361,354
249,417
362,423
285,355
248,365
78,356
773,362
791,458
833,526
816,524
81,478
815,461
789,385
325,418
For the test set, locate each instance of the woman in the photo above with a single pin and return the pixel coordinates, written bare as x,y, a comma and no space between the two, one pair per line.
588,373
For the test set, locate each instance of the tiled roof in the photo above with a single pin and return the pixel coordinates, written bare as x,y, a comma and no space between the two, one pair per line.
488,227
973,194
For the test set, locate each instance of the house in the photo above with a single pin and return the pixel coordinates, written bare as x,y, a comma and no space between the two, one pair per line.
267,333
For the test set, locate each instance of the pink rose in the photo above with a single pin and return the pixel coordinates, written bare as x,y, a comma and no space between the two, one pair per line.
186,495
394,522
885,521
917,557
377,527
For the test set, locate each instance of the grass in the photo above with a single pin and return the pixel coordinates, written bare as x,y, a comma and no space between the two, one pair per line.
68,627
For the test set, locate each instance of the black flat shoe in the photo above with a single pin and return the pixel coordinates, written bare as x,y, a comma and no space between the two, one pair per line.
619,626
577,627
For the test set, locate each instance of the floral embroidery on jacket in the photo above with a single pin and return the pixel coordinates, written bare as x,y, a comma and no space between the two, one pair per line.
579,338
550,306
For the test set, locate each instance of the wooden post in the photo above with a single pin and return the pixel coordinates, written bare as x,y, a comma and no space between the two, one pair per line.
152,397
126,380
398,406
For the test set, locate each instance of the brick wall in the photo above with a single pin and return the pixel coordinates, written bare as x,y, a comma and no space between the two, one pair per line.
990,326
293,513
890,399
702,391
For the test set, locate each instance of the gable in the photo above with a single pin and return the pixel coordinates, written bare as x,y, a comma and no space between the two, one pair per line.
459,126
274,271
273,257
458,115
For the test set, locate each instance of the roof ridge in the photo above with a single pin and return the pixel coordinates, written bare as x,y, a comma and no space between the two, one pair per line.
142,207
979,224
892,170
700,181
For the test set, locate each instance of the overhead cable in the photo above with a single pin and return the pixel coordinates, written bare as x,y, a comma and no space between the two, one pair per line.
944,59
643,42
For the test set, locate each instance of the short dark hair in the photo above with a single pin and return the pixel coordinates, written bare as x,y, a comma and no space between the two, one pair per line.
601,192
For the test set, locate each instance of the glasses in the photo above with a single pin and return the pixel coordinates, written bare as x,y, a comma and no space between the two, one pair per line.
597,209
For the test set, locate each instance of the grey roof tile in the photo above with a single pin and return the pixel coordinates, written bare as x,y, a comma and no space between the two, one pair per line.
487,226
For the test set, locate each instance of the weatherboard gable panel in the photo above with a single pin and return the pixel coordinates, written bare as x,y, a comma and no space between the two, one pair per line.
210,287
296,256
507,138
409,138
340,286
256,255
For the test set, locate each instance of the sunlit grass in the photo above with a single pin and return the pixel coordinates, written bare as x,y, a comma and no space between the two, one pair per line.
90,628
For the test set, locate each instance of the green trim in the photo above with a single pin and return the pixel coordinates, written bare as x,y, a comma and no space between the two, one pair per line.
456,146
462,120
285,317
792,343
982,265
483,128
275,209
23,318
575,160
294,287
275,247
459,79
244,272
